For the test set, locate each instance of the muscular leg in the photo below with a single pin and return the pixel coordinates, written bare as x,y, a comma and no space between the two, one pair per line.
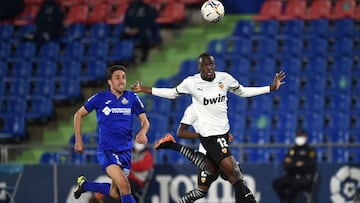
120,187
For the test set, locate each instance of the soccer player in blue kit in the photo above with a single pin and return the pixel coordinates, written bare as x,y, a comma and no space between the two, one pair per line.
115,110
208,90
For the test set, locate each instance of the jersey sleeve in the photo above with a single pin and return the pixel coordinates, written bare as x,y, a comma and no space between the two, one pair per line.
236,88
92,102
139,106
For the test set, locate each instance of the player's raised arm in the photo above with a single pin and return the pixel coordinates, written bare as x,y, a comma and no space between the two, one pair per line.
278,81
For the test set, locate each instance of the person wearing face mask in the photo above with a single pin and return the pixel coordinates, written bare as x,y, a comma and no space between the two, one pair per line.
299,166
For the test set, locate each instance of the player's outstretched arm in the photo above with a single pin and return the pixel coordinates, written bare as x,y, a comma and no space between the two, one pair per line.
138,87
278,81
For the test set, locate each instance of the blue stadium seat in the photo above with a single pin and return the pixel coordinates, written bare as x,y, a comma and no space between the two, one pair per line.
295,27
343,28
354,155
164,82
265,66
25,51
314,84
12,127
244,28
237,104
122,51
20,69
216,48
257,136
318,28
293,85
292,66
97,50
316,46
187,67
49,50
24,30
269,28
41,87
240,66
181,103
255,155
292,47
69,69
6,32
44,69
312,103
323,155
340,155
67,89
50,158
237,47
276,155
75,32
338,120
266,47
39,108
5,51
282,136
16,87
98,32
338,103
343,46
93,71
336,137
261,104
74,50
285,121
316,66
161,105
12,106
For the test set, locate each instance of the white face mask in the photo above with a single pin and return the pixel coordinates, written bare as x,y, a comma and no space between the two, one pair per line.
300,141
139,147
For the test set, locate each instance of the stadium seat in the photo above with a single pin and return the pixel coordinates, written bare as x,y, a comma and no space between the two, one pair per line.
291,64
343,9
74,32
27,16
238,47
312,102
187,67
97,50
244,28
93,71
69,69
50,158
276,155
240,66
98,32
122,51
292,47
343,46
6,32
12,127
294,10
279,136
340,83
20,69
67,89
16,87
98,13
318,28
340,155
270,10
24,30
259,121
11,106
44,69
261,104
356,14
39,109
289,104
266,47
343,28
264,66
41,86
173,13
116,17
339,103
5,50
49,50
354,155
255,155
74,50
269,28
25,51
294,28
77,14
316,46
319,10
316,64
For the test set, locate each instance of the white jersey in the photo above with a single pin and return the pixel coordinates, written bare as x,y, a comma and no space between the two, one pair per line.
190,118
210,99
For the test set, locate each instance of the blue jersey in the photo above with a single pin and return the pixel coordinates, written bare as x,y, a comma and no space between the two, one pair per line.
115,117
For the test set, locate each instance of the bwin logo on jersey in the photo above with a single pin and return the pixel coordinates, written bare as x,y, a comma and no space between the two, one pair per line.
220,98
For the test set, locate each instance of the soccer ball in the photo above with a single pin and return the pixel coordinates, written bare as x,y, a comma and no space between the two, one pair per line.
212,11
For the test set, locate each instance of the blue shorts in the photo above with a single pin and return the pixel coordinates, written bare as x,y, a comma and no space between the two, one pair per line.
107,158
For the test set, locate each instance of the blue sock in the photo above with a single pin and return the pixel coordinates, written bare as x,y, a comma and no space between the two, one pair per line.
103,188
127,199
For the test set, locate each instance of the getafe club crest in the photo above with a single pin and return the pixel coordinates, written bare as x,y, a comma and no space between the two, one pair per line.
124,101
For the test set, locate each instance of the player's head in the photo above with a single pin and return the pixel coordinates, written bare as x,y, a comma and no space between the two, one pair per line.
301,138
116,78
206,65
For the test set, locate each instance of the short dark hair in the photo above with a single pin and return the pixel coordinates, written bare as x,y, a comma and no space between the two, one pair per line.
110,70
301,132
205,55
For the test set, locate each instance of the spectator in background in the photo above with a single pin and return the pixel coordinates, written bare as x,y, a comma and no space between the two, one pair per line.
49,23
140,26
141,168
300,167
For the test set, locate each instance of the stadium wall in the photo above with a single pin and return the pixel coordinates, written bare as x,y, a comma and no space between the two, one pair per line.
54,183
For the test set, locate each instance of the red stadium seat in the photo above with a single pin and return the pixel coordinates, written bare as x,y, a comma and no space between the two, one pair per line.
98,14
270,9
294,10
28,15
172,13
116,15
343,9
356,14
33,2
319,9
77,14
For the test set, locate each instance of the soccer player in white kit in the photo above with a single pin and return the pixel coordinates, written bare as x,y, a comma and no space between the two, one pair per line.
209,96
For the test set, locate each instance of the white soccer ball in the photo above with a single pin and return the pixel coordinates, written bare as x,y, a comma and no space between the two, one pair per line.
212,10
